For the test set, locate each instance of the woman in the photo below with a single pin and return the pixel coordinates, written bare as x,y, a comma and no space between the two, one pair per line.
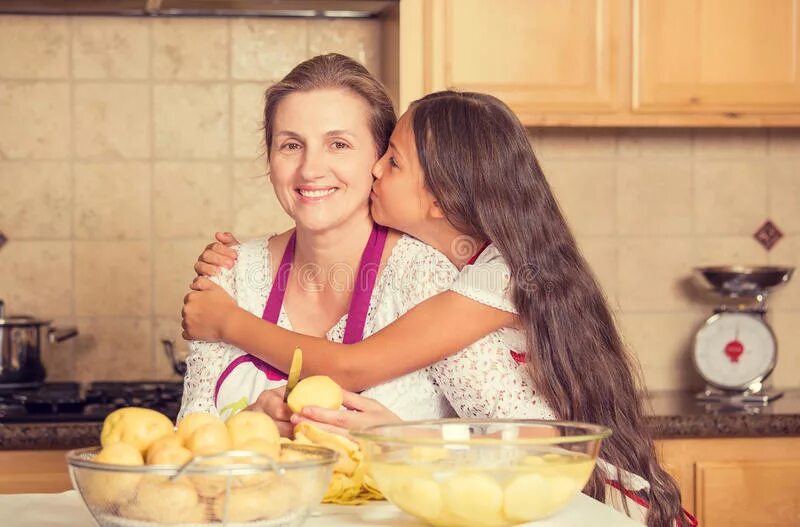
461,165
326,124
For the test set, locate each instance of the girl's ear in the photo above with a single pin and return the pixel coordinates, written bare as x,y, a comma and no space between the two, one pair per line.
435,211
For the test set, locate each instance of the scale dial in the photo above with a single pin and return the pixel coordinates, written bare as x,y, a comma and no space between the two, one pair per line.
734,350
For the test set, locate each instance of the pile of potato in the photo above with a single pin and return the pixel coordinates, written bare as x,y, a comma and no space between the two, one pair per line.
139,436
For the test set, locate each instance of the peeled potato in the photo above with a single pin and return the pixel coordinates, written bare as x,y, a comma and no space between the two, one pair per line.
475,498
192,422
138,427
418,496
532,497
210,438
317,390
107,488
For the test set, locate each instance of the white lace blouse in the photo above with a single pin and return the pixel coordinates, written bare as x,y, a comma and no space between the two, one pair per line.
482,380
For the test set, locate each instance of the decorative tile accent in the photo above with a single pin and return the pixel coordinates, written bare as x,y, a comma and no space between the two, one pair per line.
768,235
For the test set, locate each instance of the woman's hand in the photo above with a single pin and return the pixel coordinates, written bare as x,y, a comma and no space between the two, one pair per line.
271,403
206,311
361,412
216,255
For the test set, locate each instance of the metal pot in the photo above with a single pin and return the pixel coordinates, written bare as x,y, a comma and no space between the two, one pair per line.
21,339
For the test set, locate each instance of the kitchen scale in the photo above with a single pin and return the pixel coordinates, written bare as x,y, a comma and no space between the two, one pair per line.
735,350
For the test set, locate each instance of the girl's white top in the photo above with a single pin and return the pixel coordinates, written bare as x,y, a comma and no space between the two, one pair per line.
482,380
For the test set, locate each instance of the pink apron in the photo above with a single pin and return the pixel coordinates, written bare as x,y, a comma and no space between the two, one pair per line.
246,376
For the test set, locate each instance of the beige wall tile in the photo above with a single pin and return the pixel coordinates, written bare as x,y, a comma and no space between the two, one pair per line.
662,342
167,328
786,326
653,274
256,209
118,349
248,120
586,192
654,197
655,142
112,278
191,199
267,48
112,200
784,194
730,142
191,121
729,250
34,47
174,271
110,48
601,253
44,110
358,39
730,196
786,253
190,48
36,278
112,120
575,143
784,142
36,201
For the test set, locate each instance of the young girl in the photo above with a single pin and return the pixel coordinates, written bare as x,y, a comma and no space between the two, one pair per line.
459,168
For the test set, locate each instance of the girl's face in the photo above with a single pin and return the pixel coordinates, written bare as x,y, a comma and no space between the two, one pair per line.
321,158
400,198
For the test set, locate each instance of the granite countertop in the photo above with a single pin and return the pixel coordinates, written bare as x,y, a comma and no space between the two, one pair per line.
675,415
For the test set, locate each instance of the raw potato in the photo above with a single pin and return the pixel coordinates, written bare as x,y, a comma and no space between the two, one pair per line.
532,497
169,455
167,440
108,488
164,501
247,425
138,427
192,422
210,438
254,503
317,390
474,498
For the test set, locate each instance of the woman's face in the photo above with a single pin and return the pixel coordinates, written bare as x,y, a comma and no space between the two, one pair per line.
400,198
321,158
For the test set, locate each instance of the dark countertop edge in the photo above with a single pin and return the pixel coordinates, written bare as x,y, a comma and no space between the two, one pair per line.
64,436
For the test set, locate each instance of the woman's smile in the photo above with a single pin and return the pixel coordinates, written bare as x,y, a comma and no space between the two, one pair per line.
313,194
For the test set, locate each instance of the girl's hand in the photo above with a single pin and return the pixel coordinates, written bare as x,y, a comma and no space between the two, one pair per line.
216,255
361,412
206,311
271,403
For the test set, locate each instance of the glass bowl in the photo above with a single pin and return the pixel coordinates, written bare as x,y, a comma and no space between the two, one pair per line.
232,488
467,472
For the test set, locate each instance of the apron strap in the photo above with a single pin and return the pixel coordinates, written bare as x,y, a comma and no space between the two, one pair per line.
365,283
272,310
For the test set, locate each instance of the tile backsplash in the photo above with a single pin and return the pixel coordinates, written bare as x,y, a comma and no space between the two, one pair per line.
126,142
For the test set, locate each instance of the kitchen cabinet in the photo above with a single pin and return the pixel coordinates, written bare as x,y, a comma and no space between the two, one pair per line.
33,471
737,482
608,62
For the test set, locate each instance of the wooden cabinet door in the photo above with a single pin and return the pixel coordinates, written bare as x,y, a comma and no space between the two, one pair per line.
33,471
748,493
538,56
736,56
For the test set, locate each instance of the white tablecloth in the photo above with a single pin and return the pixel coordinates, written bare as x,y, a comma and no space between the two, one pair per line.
67,509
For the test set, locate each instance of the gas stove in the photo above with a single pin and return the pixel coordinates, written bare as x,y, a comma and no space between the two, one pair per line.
62,402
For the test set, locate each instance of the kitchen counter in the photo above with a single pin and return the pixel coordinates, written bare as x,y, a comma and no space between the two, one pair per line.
675,415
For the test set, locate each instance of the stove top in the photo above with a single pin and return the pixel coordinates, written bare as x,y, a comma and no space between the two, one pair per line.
70,402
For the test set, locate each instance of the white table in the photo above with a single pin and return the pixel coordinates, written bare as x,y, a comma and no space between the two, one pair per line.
68,510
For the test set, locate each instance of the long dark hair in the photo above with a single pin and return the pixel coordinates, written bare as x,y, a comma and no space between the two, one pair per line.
480,167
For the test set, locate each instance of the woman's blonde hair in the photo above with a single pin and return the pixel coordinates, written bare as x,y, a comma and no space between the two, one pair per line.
335,71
